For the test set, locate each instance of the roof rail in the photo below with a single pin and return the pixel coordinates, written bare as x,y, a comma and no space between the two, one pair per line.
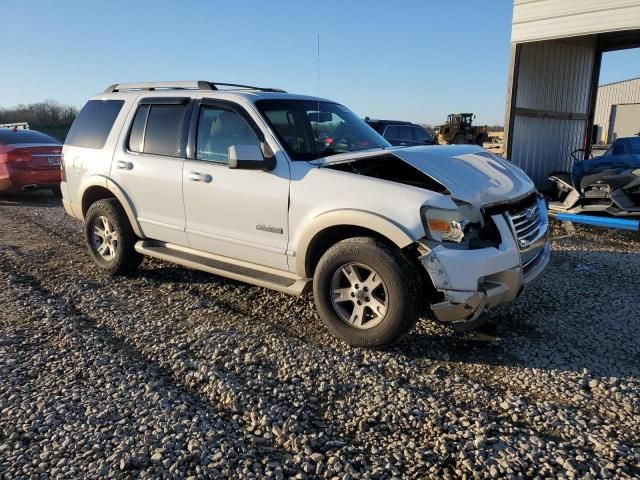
183,85
188,85
246,87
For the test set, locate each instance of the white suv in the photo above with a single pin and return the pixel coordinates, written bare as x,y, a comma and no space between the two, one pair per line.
287,191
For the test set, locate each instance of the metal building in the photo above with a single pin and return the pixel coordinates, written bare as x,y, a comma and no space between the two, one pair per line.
556,51
620,102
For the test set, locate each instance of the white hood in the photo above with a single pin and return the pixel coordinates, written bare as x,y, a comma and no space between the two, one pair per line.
470,173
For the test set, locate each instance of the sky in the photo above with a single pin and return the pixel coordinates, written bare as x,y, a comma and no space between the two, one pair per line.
409,60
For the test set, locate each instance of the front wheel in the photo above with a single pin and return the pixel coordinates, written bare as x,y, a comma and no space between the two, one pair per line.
365,292
460,139
110,238
481,139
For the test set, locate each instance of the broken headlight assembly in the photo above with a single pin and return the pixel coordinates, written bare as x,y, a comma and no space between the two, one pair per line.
464,227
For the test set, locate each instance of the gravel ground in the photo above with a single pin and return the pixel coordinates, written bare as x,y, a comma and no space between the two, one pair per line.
176,373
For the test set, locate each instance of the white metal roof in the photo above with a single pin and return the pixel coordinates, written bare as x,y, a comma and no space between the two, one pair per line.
535,20
635,79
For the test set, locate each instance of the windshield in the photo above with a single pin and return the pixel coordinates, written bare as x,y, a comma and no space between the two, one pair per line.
310,130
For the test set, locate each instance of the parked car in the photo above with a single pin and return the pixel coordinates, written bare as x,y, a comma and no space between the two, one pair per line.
399,133
29,160
293,192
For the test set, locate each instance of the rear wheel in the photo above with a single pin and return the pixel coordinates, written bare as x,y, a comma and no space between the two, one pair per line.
110,238
365,292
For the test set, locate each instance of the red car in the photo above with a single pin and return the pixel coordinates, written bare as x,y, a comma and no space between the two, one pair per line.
29,160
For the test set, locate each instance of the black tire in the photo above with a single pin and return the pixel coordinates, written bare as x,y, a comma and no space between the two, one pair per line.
57,191
481,139
401,286
125,259
460,139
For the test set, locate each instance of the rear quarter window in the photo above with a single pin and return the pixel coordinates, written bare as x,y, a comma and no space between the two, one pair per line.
91,127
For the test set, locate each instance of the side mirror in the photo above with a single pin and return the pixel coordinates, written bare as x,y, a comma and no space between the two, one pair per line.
249,157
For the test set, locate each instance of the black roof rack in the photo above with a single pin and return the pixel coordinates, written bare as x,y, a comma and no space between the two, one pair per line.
185,85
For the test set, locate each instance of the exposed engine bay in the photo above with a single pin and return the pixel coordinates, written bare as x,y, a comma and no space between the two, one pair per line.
390,167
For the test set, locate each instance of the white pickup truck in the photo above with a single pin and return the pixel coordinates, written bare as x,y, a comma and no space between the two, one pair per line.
291,192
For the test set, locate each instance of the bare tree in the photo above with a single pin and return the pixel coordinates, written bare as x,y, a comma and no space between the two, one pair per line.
48,112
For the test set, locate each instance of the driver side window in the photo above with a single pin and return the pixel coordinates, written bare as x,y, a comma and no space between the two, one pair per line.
218,129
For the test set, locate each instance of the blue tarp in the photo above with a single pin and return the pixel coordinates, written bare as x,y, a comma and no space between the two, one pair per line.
623,154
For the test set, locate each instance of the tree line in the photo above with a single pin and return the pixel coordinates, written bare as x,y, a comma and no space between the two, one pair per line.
48,112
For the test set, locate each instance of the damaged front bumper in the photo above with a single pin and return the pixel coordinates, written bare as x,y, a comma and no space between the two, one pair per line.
474,281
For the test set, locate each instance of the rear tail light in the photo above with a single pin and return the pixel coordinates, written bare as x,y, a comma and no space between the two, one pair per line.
13,157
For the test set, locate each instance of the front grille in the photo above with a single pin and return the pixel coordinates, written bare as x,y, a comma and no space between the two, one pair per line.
527,224
528,221
532,263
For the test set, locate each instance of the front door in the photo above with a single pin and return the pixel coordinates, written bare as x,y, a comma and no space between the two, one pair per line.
149,164
240,214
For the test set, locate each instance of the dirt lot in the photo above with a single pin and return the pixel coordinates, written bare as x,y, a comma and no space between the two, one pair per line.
177,373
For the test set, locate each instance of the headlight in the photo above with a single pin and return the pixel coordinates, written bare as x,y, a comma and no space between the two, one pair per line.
465,227
444,225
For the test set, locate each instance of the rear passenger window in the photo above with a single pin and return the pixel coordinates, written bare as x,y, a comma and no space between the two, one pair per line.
406,133
158,129
91,127
391,132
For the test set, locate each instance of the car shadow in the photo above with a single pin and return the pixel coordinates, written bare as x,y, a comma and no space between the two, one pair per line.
38,198
577,317
549,327
161,271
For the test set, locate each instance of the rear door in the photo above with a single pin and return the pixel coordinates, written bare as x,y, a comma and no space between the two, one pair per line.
405,135
148,165
241,214
422,137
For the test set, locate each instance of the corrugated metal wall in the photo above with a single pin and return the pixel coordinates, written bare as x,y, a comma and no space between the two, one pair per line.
545,144
614,94
555,76
535,20
551,105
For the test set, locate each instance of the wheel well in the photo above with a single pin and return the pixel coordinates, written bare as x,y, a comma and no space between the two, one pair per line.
332,235
92,195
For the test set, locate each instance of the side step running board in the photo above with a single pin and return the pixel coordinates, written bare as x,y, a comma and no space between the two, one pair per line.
245,272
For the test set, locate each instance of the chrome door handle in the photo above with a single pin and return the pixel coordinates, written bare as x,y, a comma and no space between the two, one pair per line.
124,165
200,177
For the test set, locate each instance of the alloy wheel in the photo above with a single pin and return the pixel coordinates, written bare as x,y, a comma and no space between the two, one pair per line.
359,295
105,238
